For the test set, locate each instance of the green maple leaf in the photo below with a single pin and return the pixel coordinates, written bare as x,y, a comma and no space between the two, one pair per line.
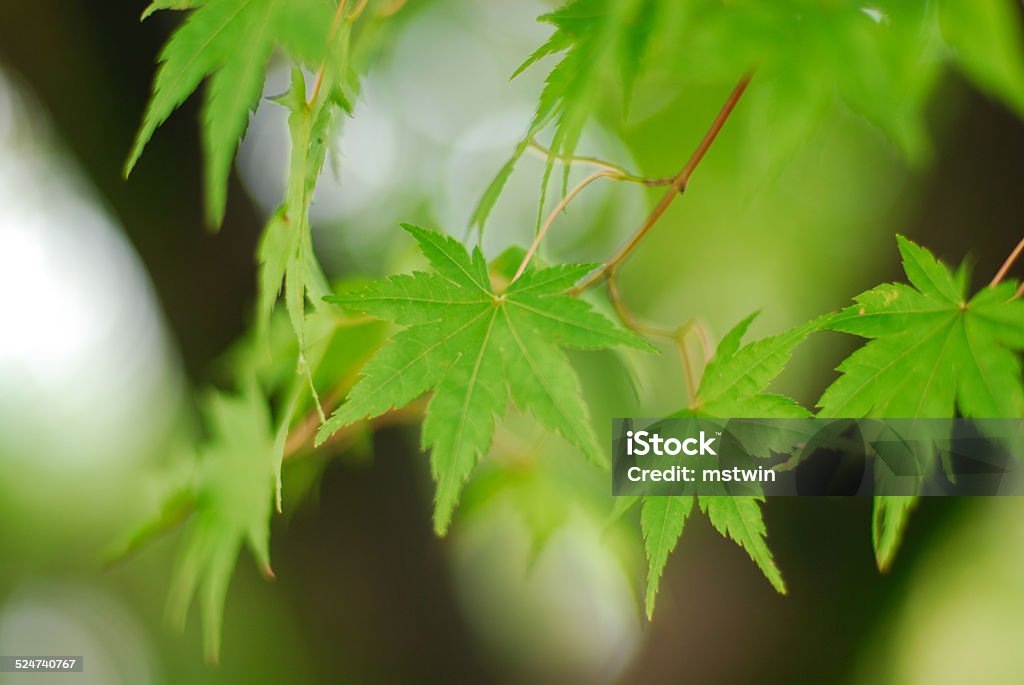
230,43
735,380
733,386
233,488
933,351
476,347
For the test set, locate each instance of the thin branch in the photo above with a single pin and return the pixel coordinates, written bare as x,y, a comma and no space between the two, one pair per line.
391,9
628,318
620,172
608,170
545,153
678,336
677,187
695,326
345,436
688,372
1005,268
356,11
304,431
560,207
702,338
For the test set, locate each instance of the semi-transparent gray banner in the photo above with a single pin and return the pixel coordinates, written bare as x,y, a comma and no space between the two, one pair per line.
814,456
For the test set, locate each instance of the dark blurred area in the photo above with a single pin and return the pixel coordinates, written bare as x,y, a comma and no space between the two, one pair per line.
364,580
91,65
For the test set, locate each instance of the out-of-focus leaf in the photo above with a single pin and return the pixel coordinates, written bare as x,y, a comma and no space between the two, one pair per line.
234,488
229,42
593,35
987,39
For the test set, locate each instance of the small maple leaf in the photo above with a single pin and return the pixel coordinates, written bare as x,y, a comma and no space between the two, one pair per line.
733,386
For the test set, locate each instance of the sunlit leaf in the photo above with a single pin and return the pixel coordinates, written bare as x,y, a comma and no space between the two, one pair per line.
476,348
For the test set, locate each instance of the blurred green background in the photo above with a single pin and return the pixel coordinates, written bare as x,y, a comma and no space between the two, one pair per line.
116,303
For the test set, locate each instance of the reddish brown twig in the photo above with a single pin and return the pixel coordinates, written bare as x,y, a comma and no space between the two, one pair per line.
1005,268
678,186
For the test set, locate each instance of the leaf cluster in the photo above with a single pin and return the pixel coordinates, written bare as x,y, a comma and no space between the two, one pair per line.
812,58
480,340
